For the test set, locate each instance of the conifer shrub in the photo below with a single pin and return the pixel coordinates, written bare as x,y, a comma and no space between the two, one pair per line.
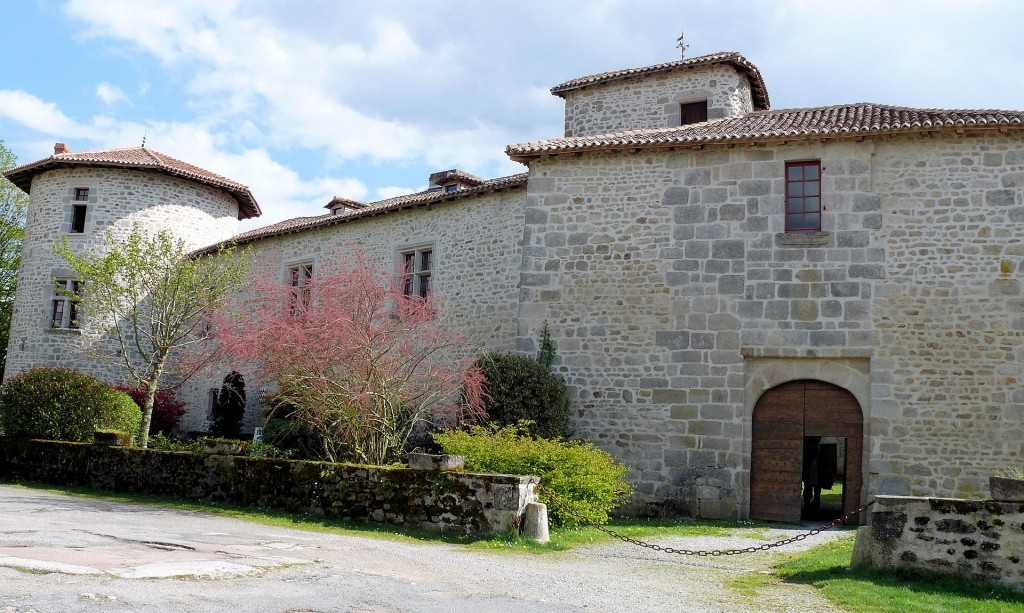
523,389
585,478
61,404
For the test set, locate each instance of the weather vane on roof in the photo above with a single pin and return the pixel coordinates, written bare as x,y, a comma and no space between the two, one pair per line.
143,139
682,46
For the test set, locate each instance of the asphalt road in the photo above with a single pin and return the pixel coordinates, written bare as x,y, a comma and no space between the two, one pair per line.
63,553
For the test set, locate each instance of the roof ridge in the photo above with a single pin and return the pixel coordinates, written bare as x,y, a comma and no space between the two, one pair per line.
154,155
139,158
853,119
740,63
423,198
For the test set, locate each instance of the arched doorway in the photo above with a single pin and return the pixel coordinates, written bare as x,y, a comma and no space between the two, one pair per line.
782,418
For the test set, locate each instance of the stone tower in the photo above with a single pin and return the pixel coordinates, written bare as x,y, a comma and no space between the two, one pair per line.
82,197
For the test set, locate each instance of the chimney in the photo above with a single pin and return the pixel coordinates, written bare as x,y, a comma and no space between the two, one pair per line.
59,148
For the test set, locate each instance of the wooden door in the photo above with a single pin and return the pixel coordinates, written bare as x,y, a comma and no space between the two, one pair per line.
776,454
782,417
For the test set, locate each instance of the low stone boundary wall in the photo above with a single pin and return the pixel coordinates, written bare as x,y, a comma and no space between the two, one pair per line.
459,502
978,538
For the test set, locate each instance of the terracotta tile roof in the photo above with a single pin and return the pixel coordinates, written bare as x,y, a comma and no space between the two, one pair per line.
142,159
390,205
759,91
787,124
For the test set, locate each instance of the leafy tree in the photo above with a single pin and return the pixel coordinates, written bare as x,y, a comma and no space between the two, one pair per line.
227,416
154,300
355,361
13,206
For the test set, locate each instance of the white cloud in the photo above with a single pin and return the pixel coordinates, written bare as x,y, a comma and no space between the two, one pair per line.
38,115
323,93
267,88
383,193
110,94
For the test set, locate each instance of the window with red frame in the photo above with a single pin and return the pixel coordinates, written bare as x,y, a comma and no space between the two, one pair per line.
803,196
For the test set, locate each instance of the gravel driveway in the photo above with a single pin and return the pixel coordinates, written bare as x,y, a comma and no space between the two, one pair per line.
62,553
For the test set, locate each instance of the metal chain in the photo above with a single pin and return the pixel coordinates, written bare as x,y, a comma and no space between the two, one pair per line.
703,552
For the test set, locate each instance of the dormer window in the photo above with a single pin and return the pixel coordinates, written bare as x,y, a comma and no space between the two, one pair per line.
343,206
693,112
451,188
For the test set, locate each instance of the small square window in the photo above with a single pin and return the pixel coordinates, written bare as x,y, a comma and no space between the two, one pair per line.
82,194
803,196
693,112
451,188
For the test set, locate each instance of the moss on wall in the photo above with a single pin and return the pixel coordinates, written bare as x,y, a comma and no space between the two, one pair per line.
463,503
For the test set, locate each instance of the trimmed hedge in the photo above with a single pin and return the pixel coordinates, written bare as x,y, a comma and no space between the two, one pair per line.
522,389
585,478
61,404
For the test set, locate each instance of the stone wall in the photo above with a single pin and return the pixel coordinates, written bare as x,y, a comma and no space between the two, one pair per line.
652,101
463,503
676,298
982,539
477,246
118,200
948,309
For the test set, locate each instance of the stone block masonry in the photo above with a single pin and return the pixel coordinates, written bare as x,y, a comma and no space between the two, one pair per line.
653,101
667,278
456,502
982,539
477,248
118,200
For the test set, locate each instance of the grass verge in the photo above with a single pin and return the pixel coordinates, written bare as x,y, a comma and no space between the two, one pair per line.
827,568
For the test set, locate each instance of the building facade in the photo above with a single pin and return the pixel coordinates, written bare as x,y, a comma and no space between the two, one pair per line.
722,280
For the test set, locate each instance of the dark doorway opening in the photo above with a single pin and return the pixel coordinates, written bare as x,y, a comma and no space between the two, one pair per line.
824,478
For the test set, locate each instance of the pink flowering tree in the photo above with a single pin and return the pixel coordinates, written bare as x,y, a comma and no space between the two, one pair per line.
352,359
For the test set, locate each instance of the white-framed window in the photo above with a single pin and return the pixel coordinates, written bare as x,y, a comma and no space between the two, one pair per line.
417,271
64,311
300,276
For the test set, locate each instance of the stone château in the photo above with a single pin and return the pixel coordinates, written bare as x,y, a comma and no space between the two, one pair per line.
721,279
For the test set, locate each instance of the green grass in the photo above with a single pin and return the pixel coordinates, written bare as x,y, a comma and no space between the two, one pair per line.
827,568
833,497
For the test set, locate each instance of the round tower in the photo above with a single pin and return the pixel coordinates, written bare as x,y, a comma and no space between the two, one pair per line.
82,197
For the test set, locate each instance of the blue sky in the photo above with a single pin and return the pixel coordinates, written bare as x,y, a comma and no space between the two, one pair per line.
303,100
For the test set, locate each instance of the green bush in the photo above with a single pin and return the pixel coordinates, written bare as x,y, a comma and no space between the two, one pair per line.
582,476
523,389
61,404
